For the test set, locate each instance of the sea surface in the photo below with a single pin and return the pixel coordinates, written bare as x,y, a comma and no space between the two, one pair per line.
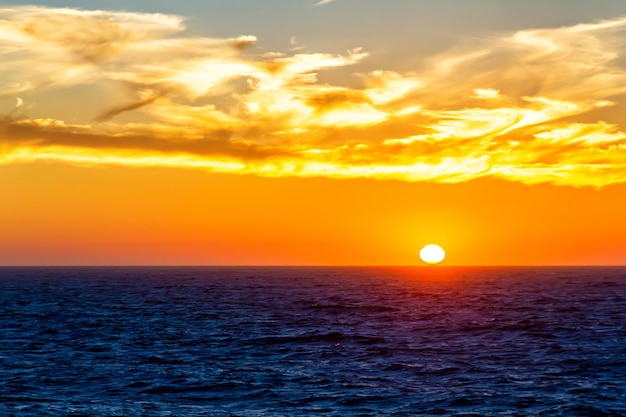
323,341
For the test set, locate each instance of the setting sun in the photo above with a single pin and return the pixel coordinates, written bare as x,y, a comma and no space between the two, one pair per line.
198,133
279,207
432,254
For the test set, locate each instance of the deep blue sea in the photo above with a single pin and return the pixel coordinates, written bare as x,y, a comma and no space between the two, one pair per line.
324,341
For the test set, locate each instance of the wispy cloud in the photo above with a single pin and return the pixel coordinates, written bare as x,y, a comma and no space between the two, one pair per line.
516,106
323,2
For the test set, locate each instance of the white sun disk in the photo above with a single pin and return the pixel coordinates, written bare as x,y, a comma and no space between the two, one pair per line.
432,254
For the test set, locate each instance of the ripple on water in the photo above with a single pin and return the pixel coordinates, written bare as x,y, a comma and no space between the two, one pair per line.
313,341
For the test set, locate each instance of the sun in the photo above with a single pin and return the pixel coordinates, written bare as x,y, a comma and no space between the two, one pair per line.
432,254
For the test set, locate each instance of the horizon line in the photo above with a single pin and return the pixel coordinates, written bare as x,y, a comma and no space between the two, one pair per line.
309,266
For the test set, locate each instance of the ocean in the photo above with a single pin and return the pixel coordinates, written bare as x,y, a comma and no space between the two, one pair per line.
323,341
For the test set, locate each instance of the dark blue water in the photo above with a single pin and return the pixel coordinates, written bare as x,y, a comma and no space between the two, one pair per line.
312,341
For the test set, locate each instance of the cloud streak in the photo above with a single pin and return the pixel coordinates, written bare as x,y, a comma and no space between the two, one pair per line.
515,106
323,2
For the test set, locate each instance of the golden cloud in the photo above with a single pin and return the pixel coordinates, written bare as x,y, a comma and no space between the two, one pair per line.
509,107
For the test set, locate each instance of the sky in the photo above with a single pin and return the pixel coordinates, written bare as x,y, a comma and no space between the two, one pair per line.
305,132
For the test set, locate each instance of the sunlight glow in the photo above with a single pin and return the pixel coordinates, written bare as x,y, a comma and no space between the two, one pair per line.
432,254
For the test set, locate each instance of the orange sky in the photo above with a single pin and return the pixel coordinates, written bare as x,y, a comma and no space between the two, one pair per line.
143,141
70,215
